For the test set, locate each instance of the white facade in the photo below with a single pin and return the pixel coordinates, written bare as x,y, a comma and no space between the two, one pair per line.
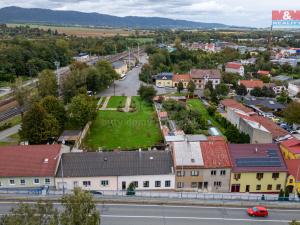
117,183
240,71
148,182
293,89
87,183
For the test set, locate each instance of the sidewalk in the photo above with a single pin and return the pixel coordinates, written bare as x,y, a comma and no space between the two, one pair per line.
161,201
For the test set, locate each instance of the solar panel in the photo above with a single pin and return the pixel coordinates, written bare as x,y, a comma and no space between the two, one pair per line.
259,162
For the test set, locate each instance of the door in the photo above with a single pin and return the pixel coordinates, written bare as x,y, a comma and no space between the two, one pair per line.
200,184
123,185
235,188
205,185
247,188
75,184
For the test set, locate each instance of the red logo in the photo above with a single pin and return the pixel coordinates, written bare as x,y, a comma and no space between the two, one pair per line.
286,15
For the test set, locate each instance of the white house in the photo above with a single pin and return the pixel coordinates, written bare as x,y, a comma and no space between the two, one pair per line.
294,87
235,67
115,171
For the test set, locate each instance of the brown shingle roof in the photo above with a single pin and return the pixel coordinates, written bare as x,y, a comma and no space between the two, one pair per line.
201,74
29,160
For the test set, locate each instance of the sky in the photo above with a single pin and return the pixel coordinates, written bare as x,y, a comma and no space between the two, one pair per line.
254,13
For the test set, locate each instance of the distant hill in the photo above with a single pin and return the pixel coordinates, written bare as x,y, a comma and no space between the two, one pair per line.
46,16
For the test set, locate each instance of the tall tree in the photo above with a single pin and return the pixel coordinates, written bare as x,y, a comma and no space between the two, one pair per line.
241,90
179,87
32,214
81,110
47,84
292,113
37,125
147,93
79,209
191,87
56,108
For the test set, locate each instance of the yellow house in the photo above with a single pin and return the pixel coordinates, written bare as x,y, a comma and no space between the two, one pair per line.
257,168
290,149
184,78
164,80
293,180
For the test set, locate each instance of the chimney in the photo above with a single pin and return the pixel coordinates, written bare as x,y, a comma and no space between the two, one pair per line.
46,160
256,149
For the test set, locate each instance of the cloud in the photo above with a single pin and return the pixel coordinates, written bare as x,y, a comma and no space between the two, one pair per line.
232,12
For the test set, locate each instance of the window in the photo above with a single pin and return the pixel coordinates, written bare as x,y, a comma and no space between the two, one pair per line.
167,183
278,187
213,172
36,181
223,172
86,183
275,175
180,173
47,181
180,184
217,183
258,187
194,173
0,184
104,183
291,181
22,182
259,176
205,184
157,183
12,182
269,187
194,185
146,184
136,183
237,176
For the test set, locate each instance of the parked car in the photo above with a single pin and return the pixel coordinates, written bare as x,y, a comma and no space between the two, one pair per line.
258,211
96,192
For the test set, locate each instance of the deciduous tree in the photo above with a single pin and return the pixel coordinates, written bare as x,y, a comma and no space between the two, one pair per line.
47,84
292,113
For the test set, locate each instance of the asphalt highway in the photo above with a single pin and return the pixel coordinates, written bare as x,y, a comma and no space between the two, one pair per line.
127,214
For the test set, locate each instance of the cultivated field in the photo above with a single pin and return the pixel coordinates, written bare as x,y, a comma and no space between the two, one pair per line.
85,31
133,130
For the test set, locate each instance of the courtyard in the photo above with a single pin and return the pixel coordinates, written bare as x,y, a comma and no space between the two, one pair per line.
125,130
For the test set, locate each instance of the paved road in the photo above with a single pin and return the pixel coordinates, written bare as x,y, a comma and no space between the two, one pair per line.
117,214
130,85
8,132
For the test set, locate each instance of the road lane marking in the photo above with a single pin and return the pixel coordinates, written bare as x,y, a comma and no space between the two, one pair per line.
195,218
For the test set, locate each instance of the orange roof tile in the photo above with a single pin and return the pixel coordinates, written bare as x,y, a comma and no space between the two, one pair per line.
181,77
293,166
252,83
293,145
236,105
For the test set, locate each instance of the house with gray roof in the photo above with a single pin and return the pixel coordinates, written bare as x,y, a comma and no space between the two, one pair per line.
114,171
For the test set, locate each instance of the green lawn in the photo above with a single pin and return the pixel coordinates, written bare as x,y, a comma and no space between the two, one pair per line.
116,101
113,129
198,105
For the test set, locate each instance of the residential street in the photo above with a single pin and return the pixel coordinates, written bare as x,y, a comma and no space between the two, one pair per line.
130,85
117,214
8,132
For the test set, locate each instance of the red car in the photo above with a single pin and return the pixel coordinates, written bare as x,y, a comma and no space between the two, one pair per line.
259,211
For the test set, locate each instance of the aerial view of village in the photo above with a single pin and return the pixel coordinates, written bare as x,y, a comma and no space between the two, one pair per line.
149,113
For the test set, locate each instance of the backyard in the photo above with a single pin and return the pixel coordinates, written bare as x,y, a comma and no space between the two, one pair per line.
133,130
196,104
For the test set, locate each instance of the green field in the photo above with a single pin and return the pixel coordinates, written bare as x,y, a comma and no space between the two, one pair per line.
116,101
113,129
198,105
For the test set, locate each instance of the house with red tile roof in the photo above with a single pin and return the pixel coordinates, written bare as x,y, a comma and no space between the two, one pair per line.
290,148
184,78
264,73
29,166
257,168
201,77
217,164
251,84
235,67
293,180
